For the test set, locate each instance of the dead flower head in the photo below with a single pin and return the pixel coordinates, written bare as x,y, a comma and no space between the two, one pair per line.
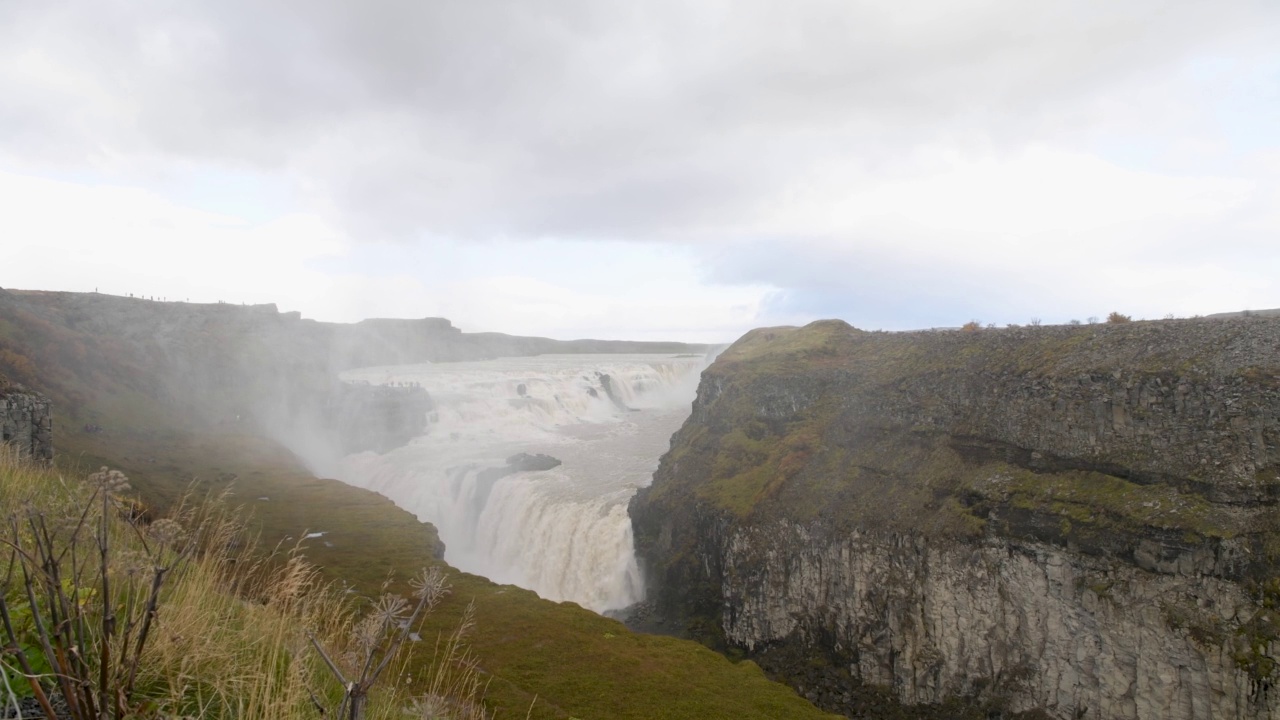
167,531
132,562
429,584
390,609
111,481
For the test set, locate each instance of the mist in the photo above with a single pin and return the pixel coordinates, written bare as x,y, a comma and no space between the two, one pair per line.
527,464
430,417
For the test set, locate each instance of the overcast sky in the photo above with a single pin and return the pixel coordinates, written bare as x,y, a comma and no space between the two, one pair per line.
649,169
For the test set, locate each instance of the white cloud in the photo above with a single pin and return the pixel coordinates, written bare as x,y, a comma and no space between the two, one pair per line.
123,240
696,314
1037,202
64,235
906,164
1041,232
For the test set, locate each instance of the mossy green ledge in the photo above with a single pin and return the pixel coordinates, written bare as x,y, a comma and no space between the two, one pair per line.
1075,520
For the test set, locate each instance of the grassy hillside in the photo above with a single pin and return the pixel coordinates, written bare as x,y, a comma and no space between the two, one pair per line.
540,659
573,662
181,615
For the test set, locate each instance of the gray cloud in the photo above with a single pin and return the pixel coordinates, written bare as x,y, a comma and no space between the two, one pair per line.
656,121
572,118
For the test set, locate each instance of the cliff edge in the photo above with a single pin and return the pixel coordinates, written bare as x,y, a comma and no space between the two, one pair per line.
1077,520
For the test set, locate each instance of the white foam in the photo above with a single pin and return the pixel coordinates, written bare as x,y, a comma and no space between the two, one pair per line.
563,533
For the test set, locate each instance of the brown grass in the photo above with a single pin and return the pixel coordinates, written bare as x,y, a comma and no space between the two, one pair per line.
229,636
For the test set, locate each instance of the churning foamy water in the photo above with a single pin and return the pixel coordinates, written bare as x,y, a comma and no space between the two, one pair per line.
563,533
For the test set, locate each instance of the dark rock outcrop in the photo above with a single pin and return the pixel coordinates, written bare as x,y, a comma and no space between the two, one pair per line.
487,477
518,463
606,383
1075,520
26,422
524,462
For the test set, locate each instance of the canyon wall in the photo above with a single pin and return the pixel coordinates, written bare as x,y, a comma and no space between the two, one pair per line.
1075,520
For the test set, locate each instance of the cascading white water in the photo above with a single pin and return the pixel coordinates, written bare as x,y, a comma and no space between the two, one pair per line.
563,533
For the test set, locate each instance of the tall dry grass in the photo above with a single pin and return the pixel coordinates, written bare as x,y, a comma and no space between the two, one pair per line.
185,616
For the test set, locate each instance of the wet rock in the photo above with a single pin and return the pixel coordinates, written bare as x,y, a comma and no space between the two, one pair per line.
606,383
524,462
518,463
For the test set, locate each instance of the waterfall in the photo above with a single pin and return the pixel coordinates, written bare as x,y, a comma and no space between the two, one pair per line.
562,532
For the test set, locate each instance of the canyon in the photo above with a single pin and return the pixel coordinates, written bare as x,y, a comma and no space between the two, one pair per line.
250,404
1064,522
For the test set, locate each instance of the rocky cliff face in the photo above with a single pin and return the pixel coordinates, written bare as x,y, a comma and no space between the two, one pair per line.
1076,520
26,422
